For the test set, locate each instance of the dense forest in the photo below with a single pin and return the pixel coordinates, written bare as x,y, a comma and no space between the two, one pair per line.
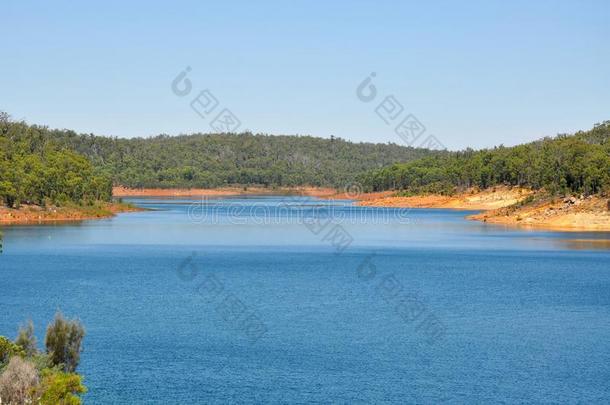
43,166
578,163
215,160
35,169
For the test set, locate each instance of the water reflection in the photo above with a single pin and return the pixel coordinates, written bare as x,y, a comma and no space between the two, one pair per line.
584,244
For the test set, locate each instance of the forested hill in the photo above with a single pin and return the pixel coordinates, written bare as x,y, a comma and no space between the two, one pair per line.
36,170
578,163
37,163
213,160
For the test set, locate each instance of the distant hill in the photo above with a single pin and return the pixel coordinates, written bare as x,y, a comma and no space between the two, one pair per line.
38,163
214,160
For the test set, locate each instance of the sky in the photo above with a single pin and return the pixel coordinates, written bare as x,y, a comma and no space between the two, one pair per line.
471,73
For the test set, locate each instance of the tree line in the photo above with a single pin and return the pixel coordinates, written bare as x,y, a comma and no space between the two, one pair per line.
35,169
216,160
41,166
578,163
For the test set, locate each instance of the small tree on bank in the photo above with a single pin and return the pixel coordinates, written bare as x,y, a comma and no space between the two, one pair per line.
26,339
64,342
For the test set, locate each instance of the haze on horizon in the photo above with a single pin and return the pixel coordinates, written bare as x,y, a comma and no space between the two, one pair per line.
478,75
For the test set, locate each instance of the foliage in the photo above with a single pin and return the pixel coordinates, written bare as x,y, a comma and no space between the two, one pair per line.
26,339
565,164
59,388
215,160
34,377
34,169
63,342
39,165
8,349
18,382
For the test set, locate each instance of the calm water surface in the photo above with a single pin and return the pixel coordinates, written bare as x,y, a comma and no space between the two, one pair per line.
525,315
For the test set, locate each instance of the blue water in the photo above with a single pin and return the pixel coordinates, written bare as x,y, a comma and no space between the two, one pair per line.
245,301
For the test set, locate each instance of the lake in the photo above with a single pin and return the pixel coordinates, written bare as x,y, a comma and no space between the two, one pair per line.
277,300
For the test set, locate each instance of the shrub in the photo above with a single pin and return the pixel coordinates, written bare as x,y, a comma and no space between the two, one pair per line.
58,388
26,339
8,349
18,382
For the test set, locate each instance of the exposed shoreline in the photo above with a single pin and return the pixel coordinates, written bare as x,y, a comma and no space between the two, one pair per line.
500,206
515,207
35,215
510,206
119,191
571,214
319,192
489,199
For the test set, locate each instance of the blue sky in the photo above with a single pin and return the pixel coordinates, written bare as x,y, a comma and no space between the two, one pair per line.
475,73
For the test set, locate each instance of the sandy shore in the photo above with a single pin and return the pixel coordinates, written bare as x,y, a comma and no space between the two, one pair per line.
472,200
221,192
565,214
500,206
32,214
320,192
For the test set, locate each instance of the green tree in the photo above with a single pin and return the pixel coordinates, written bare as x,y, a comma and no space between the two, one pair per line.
26,339
34,168
63,342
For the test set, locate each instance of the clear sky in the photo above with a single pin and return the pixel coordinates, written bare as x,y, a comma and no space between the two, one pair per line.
475,73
